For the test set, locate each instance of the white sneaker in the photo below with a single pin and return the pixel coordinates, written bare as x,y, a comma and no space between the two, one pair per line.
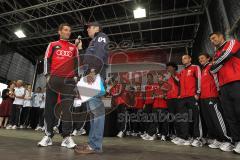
21,127
14,127
150,138
237,148
174,140
46,141
68,143
144,135
82,132
226,147
210,141
38,128
55,129
134,134
197,143
163,138
215,145
120,134
74,133
43,129
183,142
9,127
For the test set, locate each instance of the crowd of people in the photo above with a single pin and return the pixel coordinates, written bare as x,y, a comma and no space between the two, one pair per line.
197,106
194,107
22,107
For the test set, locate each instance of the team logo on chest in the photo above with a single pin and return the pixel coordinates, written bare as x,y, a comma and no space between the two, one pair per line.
189,72
64,53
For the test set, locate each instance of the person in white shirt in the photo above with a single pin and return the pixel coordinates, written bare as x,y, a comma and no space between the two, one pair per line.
19,94
41,112
34,115
27,105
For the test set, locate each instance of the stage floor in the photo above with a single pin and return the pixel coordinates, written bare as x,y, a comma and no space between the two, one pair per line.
21,144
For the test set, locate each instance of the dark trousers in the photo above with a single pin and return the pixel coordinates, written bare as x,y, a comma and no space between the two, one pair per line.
80,116
15,116
41,117
122,117
172,109
34,117
147,110
230,96
188,118
159,122
63,87
214,120
136,122
25,116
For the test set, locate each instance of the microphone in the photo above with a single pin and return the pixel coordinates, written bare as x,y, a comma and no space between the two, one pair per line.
79,38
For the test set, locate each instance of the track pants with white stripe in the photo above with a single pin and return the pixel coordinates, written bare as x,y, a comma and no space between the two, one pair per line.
212,114
188,118
230,97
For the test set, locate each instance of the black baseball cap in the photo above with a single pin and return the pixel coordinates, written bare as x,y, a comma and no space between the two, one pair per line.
96,24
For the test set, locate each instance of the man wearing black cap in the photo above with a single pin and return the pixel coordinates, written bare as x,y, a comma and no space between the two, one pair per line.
95,62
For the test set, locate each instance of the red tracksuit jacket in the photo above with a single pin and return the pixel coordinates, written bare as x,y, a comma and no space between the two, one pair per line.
159,101
174,91
139,100
61,59
227,62
209,83
119,94
190,81
149,88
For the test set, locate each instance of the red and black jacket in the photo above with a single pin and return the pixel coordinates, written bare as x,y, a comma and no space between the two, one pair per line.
139,100
190,81
227,62
160,96
174,91
149,90
61,59
120,95
209,83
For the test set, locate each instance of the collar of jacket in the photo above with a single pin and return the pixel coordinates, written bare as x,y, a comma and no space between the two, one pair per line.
221,46
95,35
205,65
188,65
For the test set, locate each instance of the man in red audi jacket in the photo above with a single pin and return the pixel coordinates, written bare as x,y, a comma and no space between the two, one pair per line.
211,110
60,69
188,109
227,66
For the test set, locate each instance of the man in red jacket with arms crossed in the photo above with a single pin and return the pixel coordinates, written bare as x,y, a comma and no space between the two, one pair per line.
227,66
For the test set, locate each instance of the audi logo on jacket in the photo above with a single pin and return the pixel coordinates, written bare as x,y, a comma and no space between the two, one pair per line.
61,59
227,62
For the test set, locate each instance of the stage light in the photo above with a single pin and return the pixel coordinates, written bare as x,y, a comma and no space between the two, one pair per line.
139,13
20,34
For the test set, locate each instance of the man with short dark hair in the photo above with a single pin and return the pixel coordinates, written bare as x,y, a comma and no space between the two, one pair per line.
95,62
60,69
190,126
227,66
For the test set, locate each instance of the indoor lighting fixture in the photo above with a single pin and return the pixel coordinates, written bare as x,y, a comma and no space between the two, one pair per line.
20,34
139,13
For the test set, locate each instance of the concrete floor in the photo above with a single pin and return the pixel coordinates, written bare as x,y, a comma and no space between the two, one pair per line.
21,144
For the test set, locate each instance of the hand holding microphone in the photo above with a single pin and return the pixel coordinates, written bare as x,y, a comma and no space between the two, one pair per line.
78,42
